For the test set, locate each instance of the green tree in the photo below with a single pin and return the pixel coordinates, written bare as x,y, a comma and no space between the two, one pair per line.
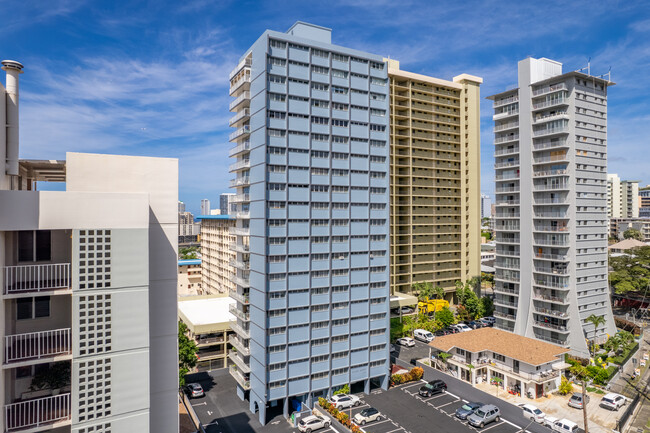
632,233
488,278
188,253
630,273
187,350
467,298
596,321
566,386
487,306
445,317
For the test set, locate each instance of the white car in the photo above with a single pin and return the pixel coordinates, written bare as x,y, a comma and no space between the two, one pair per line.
462,327
612,401
368,415
344,401
532,412
549,421
312,423
565,426
405,341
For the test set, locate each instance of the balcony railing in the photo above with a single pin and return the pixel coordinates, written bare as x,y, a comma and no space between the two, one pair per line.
506,164
551,130
37,345
546,256
549,89
504,315
244,63
549,298
549,144
239,362
551,186
550,312
239,377
245,96
553,340
238,313
548,159
245,266
505,101
239,345
549,117
240,181
550,270
505,114
37,413
239,330
502,289
246,163
246,129
235,85
558,172
506,126
240,248
36,278
238,297
551,242
241,147
550,103
505,139
551,284
551,326
239,116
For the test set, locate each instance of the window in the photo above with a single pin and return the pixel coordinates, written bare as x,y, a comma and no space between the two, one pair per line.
277,115
320,53
498,357
274,61
34,245
320,120
320,86
320,104
374,127
378,81
277,79
339,122
377,96
32,308
277,97
320,70
377,112
340,90
277,44
339,57
339,106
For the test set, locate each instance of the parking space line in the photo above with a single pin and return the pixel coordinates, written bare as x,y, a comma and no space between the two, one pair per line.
453,395
512,424
413,384
495,425
431,398
447,404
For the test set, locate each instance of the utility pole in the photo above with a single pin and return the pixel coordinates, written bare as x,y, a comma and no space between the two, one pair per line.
584,404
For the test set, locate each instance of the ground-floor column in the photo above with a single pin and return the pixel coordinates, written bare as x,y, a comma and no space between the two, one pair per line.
366,386
285,409
385,380
240,393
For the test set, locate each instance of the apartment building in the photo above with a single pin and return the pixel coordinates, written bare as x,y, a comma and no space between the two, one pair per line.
225,201
217,256
205,206
486,206
644,203
618,226
622,197
311,172
189,277
434,179
81,332
550,137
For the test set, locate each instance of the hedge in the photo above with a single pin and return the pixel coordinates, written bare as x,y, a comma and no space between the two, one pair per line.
342,417
621,360
415,374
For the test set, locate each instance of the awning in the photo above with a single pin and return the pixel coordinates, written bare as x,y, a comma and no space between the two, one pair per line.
558,366
399,299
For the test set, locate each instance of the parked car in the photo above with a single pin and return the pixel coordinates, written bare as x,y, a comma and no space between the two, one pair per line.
344,401
467,409
486,322
484,415
490,319
549,421
473,324
405,341
369,414
565,426
612,401
533,412
423,335
576,400
452,330
462,327
312,423
193,390
441,332
407,310
434,387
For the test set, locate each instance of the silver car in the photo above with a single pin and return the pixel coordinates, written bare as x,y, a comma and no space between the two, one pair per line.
576,400
484,415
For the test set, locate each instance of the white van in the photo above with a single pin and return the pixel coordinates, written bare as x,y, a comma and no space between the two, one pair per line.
565,426
422,335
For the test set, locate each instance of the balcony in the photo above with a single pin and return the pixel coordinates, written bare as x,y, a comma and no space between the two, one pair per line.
36,278
243,64
551,242
505,101
548,298
244,97
37,345
550,103
549,312
244,266
506,164
502,289
549,200
506,126
510,176
552,130
239,362
240,165
504,315
53,411
239,231
559,257
550,89
507,215
240,378
505,114
549,159
242,214
498,301
507,227
507,203
240,181
551,270
240,148
557,172
241,81
239,248
544,213
511,240
244,130
551,284
552,326
554,186
238,297
241,115
550,117
505,189
239,345
239,198
553,340
508,151
239,330
507,253
238,313
543,228
507,138
549,144
241,281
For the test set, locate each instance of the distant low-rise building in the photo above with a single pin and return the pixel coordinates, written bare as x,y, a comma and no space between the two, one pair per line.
217,256
189,277
618,226
208,323
622,197
518,364
624,246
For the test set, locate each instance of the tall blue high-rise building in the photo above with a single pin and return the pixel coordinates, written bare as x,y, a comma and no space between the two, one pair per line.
312,205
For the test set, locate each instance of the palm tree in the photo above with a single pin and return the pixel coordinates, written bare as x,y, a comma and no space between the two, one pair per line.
596,321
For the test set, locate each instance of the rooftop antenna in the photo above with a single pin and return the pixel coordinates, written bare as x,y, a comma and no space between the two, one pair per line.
588,68
608,74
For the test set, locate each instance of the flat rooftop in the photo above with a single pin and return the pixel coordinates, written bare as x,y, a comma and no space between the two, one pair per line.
528,350
205,314
189,262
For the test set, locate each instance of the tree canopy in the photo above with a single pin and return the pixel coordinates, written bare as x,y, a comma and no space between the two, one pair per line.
632,233
630,273
187,350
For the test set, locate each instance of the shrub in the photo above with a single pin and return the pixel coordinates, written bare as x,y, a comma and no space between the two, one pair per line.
417,373
566,387
345,389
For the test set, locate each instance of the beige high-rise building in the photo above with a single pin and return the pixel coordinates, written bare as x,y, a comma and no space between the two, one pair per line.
216,255
622,197
435,197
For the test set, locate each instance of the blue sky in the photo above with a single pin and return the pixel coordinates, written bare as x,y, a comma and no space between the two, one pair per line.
151,77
